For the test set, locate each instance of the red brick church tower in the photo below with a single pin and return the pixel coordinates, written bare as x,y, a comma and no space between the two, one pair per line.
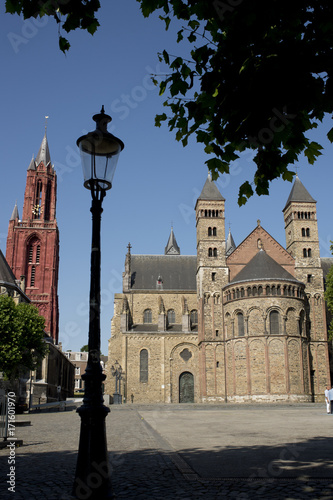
33,242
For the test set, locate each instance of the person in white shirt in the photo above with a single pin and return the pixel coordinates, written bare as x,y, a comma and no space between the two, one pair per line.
327,399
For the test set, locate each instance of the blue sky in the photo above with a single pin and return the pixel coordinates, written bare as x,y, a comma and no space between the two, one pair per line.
157,180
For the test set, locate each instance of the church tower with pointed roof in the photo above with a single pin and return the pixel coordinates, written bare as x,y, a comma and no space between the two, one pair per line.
301,227
33,242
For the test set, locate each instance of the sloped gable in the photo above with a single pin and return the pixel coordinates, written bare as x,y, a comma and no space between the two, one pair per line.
259,238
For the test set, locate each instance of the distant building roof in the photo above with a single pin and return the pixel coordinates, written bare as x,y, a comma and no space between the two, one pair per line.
172,247
263,267
164,272
230,245
298,193
326,264
6,274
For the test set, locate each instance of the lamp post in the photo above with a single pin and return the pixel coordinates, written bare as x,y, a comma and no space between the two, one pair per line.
117,372
99,155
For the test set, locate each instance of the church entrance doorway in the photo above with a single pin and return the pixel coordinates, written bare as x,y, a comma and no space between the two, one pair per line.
186,388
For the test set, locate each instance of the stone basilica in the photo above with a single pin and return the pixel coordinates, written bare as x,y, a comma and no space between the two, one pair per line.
230,324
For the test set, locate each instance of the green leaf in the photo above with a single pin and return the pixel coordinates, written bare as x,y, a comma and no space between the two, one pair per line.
313,151
288,175
330,135
92,28
166,57
12,7
245,192
159,119
163,85
63,44
180,36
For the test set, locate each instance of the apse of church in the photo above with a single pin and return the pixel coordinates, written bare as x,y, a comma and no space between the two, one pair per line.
232,323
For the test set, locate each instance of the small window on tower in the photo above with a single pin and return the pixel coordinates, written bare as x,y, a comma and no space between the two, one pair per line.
33,272
213,276
38,254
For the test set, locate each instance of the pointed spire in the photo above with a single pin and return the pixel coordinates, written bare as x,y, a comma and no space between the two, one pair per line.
230,245
15,214
298,193
43,153
172,247
210,191
32,165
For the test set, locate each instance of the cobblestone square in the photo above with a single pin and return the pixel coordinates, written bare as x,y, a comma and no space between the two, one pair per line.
184,452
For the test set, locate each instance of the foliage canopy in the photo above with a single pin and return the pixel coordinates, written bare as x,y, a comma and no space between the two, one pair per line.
259,76
21,337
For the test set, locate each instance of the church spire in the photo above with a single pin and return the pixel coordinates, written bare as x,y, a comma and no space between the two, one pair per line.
43,153
172,247
299,194
230,245
15,214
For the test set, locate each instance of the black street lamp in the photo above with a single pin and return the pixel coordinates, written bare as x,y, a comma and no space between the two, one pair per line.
99,155
117,373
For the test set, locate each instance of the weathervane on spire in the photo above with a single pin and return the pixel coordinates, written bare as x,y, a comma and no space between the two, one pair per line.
46,118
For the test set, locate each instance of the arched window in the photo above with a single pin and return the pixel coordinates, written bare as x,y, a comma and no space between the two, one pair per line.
210,252
209,231
144,366
268,290
214,231
171,316
303,231
301,322
305,253
309,252
38,200
240,324
215,252
274,323
259,290
47,201
147,316
194,317
307,231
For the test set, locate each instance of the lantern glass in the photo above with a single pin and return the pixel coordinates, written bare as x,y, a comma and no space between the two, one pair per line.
99,154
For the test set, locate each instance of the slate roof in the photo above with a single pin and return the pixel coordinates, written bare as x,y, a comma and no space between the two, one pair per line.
230,244
43,153
6,274
210,191
15,214
32,165
263,267
172,247
178,272
299,193
326,264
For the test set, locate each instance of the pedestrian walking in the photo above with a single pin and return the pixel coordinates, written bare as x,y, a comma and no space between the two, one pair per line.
327,399
330,397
